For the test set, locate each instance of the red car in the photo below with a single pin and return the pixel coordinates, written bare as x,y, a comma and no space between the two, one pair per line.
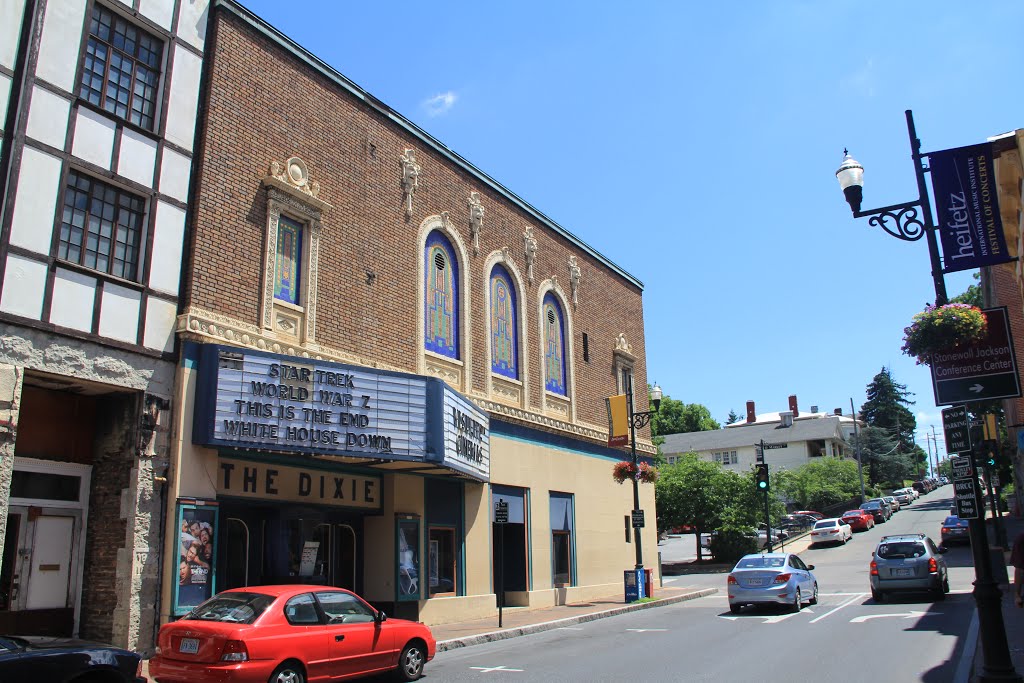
288,634
859,519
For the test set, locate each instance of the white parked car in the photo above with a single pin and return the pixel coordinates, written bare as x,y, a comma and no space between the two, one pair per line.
831,530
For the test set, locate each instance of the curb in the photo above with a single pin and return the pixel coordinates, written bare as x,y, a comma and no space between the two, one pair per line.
481,638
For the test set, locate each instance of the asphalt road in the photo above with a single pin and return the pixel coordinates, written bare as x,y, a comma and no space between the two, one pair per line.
847,637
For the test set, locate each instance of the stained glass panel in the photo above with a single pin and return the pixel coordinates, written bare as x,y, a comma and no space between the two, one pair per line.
287,269
504,349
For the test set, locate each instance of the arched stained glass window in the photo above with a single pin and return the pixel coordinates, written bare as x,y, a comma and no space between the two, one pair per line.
289,259
441,297
504,343
554,345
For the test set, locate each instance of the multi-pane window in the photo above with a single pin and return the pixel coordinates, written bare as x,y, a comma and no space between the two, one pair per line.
726,457
101,227
122,68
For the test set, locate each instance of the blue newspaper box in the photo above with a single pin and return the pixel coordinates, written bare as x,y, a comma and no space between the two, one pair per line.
633,579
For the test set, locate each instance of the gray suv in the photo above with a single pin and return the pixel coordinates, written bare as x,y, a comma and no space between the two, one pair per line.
908,562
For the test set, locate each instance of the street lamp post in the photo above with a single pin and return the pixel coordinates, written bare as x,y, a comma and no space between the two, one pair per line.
912,220
639,421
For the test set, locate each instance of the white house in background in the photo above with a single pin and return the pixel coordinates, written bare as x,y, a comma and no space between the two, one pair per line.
98,110
792,439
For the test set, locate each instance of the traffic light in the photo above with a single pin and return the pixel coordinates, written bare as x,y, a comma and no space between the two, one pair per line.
761,477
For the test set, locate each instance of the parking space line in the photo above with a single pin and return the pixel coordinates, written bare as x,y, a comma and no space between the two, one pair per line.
845,604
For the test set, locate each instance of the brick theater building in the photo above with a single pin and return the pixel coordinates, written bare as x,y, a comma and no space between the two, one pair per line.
98,109
378,344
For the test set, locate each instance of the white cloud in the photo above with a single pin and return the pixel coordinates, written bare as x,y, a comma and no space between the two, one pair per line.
440,104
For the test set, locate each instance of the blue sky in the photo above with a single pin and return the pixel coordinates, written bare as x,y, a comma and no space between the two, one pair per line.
695,144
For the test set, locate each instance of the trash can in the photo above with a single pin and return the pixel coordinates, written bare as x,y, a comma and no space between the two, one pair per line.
633,580
648,583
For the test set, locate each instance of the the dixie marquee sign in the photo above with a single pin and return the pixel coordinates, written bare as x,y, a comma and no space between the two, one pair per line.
263,401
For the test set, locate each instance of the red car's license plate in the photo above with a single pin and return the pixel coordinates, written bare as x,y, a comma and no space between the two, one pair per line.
189,646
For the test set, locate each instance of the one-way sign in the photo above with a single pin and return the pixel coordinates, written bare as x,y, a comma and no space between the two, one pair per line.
981,371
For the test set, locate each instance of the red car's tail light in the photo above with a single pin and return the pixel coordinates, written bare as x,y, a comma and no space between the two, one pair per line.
874,568
234,651
783,578
732,580
933,566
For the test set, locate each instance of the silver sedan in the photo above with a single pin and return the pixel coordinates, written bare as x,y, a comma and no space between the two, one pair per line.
772,579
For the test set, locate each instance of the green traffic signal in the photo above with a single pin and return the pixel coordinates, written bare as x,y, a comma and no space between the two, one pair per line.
761,477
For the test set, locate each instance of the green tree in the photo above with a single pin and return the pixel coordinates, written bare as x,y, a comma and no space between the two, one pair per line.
692,492
822,482
972,296
733,418
886,408
874,445
676,417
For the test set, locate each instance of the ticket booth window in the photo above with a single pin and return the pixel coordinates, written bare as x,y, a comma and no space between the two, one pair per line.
443,561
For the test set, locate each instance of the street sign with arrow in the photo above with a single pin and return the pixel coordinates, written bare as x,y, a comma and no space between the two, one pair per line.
981,371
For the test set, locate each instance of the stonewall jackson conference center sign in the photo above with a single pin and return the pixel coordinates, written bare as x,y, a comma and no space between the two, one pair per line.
264,401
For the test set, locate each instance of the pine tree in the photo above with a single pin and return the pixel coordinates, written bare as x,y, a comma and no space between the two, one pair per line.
886,408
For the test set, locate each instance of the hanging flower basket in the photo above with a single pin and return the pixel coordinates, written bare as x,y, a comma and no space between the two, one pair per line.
643,473
939,329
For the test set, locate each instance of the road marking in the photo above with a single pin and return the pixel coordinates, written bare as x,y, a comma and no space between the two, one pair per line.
906,615
855,598
770,619
489,669
645,630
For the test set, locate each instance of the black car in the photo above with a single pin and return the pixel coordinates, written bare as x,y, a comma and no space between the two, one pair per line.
955,530
33,658
879,509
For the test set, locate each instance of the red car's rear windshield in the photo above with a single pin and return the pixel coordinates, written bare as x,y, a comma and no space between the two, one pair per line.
236,608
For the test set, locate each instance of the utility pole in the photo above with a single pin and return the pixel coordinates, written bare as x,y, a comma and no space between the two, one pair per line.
856,450
936,440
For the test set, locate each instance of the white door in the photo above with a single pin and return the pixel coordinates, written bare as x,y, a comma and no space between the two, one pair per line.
50,568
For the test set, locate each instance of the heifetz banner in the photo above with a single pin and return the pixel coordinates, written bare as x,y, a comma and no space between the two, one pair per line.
968,219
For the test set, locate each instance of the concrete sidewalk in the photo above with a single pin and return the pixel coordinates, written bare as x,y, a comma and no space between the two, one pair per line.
1013,617
521,621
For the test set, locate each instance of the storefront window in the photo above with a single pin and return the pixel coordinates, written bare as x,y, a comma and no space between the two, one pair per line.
562,523
408,559
443,562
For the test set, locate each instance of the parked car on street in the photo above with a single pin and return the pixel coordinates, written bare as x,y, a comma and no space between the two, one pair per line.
31,658
910,491
288,634
859,520
878,509
893,503
812,513
955,530
831,530
903,498
908,562
771,579
797,522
